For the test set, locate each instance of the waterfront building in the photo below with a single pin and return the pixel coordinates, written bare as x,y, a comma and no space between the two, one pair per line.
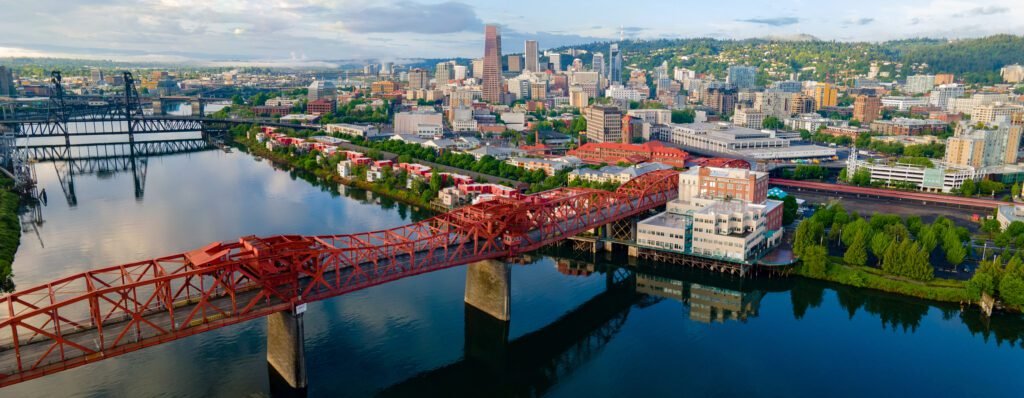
366,131
719,213
549,166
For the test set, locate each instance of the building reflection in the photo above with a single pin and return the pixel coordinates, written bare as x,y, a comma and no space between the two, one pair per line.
706,303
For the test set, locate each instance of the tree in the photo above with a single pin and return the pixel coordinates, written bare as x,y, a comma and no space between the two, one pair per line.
815,259
684,116
772,123
968,188
843,175
861,178
808,233
980,283
955,251
880,243
863,140
237,99
1015,190
789,209
991,226
857,253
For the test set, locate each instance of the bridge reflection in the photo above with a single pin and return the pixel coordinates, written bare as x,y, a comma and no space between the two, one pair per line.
534,363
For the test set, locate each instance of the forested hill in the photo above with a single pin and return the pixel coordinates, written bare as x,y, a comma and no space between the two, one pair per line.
975,60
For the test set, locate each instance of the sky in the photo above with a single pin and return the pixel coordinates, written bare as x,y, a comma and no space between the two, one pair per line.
323,32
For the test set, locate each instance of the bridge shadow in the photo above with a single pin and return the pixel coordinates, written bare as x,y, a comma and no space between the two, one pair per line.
534,363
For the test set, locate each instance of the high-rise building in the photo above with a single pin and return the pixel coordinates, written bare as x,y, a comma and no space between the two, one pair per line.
614,64
492,64
984,147
867,108
459,72
942,95
598,63
96,77
722,98
6,82
321,89
604,124
825,95
387,68
742,76
443,72
943,78
478,68
556,61
515,63
419,79
919,84
578,97
531,56
539,90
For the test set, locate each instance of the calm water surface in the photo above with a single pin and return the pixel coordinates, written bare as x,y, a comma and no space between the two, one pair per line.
580,327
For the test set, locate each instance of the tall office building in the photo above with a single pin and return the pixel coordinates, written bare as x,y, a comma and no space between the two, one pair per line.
598,64
919,84
984,147
419,79
478,68
742,76
321,89
6,82
515,63
604,123
460,72
443,72
556,62
614,64
96,77
824,94
531,56
867,108
492,64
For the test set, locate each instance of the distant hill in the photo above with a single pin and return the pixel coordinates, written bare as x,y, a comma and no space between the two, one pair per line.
974,60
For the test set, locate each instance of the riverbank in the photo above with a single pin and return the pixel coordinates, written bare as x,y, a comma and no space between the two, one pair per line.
327,172
942,290
10,232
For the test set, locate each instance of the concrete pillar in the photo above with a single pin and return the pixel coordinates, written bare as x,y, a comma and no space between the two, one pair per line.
158,107
488,288
286,353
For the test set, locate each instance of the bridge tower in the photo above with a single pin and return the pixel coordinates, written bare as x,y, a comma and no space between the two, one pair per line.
488,288
132,108
286,351
58,112
198,108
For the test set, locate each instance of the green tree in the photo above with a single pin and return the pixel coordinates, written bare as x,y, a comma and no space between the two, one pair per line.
980,283
1015,190
863,140
968,188
773,123
857,253
789,209
880,243
808,233
683,116
815,259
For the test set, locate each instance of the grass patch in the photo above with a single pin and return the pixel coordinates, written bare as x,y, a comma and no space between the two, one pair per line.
945,290
10,232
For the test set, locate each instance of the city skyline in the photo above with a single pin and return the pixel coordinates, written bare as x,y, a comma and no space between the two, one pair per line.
314,33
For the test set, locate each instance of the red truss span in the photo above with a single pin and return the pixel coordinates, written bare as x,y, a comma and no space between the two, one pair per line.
90,316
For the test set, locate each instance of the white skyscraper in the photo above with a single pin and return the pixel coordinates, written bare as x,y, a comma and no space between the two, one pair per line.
598,64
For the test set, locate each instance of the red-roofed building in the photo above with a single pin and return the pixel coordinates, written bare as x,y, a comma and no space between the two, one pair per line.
724,163
614,152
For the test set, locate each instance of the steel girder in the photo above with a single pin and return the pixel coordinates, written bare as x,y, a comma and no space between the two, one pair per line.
98,314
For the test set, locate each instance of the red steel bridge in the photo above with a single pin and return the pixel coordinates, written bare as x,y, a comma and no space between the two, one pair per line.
90,316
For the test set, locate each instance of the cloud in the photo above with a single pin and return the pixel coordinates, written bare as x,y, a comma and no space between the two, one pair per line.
410,17
778,21
859,21
983,11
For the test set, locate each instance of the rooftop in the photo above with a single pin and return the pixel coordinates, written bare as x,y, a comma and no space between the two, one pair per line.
669,220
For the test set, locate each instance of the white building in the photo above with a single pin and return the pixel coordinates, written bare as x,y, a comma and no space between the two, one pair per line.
616,174
919,84
904,103
749,118
941,95
620,92
653,116
356,130
410,122
811,122
943,177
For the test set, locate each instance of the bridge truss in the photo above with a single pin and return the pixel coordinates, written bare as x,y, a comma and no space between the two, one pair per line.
94,315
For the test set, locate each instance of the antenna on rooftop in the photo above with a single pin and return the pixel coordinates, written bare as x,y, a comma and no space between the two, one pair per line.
622,33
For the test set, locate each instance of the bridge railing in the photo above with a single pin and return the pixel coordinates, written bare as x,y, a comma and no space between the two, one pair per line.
102,313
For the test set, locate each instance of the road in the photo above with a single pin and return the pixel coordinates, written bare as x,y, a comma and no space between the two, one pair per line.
866,206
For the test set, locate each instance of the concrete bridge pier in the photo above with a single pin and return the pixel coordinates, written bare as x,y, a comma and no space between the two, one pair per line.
286,353
158,107
197,108
488,288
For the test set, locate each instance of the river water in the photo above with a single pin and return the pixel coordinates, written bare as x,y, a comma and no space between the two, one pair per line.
580,327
